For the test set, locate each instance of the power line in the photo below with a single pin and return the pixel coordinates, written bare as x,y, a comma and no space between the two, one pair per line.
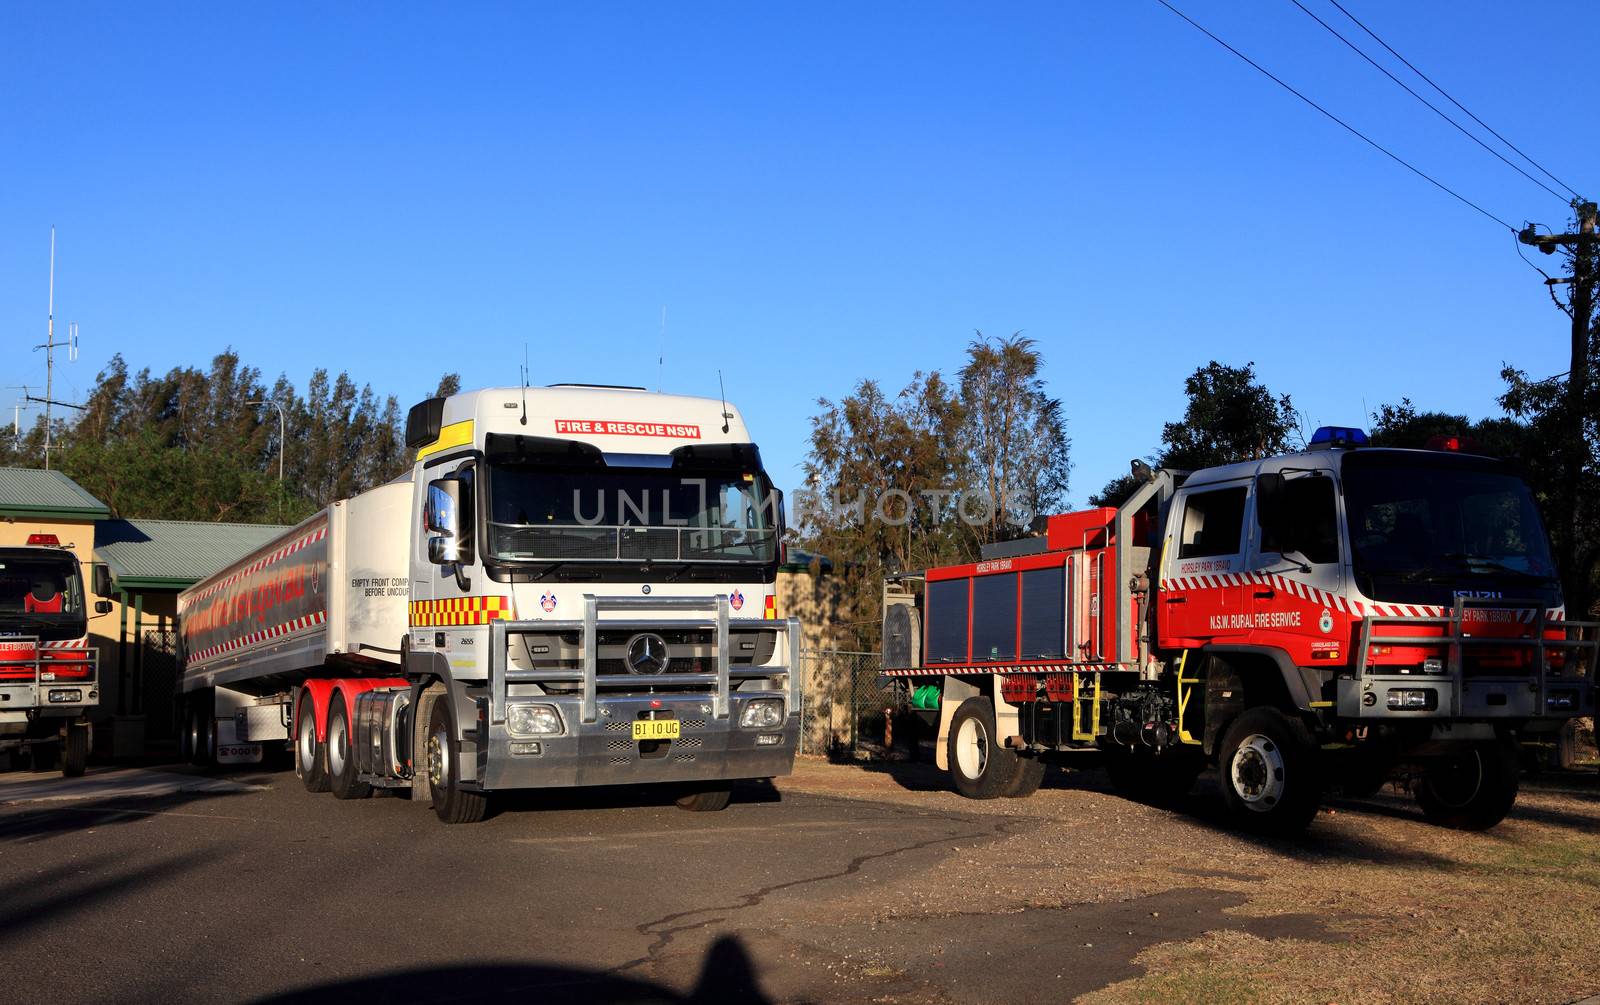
1436,109
1352,129
1453,101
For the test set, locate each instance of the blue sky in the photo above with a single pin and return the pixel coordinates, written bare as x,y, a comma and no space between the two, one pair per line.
817,194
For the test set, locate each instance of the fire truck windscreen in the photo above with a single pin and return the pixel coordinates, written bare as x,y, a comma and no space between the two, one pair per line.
1425,529
665,516
40,593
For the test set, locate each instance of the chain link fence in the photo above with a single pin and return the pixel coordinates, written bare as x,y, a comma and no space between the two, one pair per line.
850,711
157,686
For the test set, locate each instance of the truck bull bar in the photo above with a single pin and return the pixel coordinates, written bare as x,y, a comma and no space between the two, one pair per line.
1456,635
501,673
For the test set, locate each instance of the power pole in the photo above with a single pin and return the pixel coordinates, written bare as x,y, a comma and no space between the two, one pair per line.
49,346
1583,247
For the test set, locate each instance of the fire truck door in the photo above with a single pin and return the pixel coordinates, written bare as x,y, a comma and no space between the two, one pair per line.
1294,563
1202,598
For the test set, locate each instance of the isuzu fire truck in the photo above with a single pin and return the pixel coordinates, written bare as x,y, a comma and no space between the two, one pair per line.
574,585
1323,619
49,674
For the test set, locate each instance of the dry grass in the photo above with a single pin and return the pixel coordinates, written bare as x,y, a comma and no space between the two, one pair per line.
1402,911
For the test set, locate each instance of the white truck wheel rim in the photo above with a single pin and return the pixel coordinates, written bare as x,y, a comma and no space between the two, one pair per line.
337,747
436,760
972,748
1257,772
308,743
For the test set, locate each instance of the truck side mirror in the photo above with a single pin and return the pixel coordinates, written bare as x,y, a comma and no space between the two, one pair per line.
102,582
102,606
446,517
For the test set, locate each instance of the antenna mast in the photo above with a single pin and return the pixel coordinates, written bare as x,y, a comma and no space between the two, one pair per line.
50,345
661,358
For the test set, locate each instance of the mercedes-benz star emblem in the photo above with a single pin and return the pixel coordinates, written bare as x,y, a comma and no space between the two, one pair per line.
647,653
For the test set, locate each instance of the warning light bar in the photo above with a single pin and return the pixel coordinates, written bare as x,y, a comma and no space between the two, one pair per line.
47,540
1455,444
1338,436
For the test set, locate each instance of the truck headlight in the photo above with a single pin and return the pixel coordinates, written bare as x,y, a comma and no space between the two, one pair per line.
1416,699
761,713
533,720
66,694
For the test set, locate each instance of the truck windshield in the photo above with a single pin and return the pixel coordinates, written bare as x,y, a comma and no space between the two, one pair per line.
41,594
637,515
1423,530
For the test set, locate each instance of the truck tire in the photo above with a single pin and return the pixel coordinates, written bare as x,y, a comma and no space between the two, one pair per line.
707,798
310,756
980,767
1472,791
343,776
452,803
1148,777
1270,773
1029,776
75,750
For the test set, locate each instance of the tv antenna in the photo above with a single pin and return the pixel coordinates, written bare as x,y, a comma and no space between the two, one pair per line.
50,346
726,415
661,357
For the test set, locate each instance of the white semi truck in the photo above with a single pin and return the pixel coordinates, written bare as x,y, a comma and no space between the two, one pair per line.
574,585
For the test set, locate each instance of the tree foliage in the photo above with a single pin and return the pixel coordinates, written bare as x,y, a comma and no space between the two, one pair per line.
1230,415
914,479
189,445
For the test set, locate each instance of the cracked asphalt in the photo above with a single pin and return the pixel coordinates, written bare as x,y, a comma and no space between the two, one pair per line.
160,885
849,884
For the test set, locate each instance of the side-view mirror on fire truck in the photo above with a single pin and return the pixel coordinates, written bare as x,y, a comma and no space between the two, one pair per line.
102,583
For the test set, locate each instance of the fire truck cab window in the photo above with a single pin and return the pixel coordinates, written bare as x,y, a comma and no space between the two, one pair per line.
1314,520
1213,523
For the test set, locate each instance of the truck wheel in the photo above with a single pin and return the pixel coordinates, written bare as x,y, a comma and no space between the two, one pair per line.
1473,790
310,757
1147,777
1271,779
707,799
343,777
75,750
979,765
1029,776
452,803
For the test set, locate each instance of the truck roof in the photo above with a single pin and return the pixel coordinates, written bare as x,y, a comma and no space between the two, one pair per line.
1307,459
617,420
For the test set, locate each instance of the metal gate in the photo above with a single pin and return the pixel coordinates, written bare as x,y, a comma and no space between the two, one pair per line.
157,686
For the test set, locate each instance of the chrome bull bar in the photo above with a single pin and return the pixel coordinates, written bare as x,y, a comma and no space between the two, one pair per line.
1582,640
502,673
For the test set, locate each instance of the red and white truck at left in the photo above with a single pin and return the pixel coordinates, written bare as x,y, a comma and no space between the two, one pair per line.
49,673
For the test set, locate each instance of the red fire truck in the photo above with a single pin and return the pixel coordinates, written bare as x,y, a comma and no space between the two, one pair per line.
1319,620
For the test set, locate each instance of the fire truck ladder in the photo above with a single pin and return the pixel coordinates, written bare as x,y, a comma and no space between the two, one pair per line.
1185,693
1079,712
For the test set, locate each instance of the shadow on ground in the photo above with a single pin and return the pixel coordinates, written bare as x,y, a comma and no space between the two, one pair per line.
727,975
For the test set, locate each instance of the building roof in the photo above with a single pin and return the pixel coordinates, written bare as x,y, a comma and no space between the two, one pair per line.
174,554
35,492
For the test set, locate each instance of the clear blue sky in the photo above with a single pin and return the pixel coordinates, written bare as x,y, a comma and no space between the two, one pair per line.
818,194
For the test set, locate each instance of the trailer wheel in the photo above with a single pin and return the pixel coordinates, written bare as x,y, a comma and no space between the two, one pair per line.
310,757
707,799
452,803
1271,779
1029,776
343,777
979,765
1473,790
75,750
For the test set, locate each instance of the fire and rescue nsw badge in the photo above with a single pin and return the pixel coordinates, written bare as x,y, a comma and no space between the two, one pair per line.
1326,621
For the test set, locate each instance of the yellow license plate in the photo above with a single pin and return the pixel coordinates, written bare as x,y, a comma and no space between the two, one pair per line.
655,729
